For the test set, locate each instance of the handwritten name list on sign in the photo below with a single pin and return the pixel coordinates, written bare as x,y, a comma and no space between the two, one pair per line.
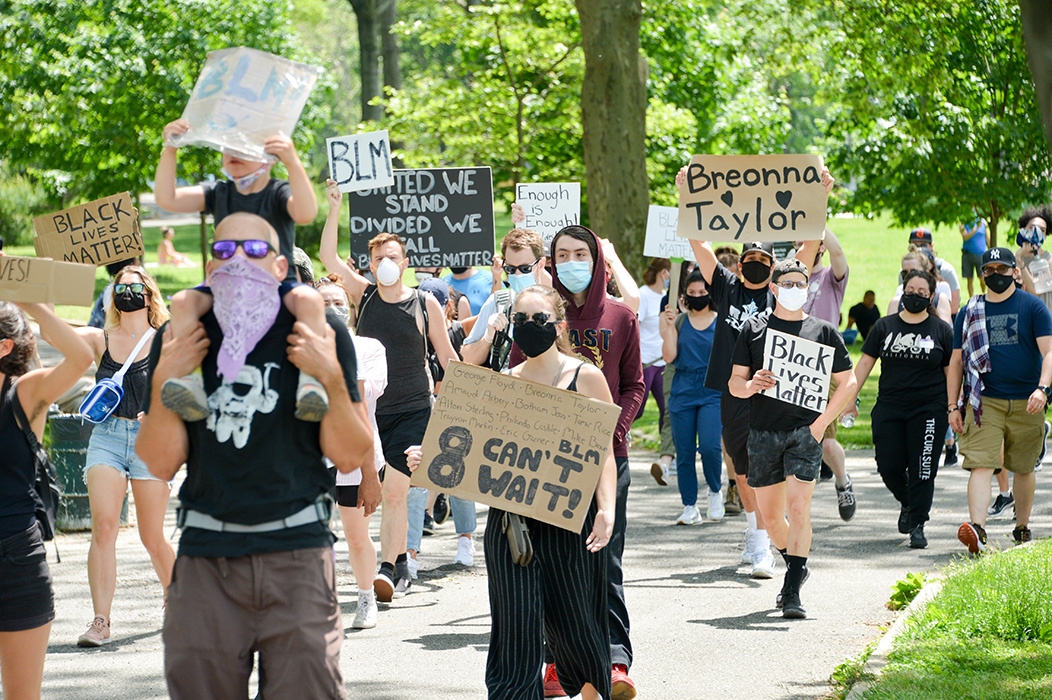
361,161
96,233
549,206
753,198
444,215
661,240
520,446
803,368
35,280
244,96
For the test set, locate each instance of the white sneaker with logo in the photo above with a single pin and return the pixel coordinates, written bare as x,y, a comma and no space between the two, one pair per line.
465,552
763,562
716,509
365,614
690,516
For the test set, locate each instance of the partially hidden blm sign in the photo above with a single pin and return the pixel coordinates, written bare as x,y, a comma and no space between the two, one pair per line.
99,232
661,240
444,215
753,198
802,367
360,161
517,445
36,280
549,206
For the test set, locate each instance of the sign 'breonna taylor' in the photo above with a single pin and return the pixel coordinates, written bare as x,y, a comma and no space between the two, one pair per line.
802,368
444,215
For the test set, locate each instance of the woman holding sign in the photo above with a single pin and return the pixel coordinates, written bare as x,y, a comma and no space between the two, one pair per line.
909,418
558,595
26,599
121,350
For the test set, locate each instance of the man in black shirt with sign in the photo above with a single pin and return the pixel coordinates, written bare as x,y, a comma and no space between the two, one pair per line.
255,570
785,436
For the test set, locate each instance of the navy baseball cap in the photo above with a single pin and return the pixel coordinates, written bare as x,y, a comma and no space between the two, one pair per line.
1002,256
437,288
920,235
763,246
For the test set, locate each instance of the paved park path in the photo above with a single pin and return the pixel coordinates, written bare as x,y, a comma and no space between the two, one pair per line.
700,626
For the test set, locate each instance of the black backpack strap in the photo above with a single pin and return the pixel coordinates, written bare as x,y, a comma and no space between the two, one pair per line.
44,476
21,420
367,295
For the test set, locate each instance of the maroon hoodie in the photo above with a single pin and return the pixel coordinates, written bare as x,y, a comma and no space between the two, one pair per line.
606,333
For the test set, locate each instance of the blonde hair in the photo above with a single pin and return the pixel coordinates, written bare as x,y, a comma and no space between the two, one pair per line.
562,343
158,312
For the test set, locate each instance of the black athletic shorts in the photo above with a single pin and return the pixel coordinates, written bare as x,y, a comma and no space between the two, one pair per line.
734,414
399,431
775,455
26,598
347,496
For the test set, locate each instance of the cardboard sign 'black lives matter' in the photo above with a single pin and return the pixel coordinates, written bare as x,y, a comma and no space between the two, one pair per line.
802,367
753,198
34,280
516,445
96,233
444,215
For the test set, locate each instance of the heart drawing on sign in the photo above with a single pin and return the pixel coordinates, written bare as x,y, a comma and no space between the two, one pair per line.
728,198
784,198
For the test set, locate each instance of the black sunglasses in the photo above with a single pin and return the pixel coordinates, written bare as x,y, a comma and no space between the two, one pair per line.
520,269
135,287
520,319
254,248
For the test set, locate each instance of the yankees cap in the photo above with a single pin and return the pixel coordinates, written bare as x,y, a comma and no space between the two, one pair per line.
1003,256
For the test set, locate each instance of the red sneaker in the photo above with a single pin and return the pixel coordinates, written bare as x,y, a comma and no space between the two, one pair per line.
621,686
552,687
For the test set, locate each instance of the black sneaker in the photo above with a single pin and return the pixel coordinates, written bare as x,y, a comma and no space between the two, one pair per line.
917,538
973,535
826,473
779,600
845,498
441,509
904,521
384,585
429,524
1000,504
792,608
951,455
1021,534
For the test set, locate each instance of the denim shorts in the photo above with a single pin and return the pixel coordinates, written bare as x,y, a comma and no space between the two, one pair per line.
112,443
26,597
774,455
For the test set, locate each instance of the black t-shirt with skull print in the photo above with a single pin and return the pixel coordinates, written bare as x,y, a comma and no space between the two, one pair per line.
734,305
251,460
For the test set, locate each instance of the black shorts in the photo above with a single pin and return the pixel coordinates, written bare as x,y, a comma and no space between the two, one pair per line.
734,413
26,598
775,455
347,496
399,431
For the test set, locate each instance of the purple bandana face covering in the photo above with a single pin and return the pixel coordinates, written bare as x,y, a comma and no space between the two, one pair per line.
246,302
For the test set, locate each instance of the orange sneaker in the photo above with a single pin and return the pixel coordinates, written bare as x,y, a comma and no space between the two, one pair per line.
552,687
621,686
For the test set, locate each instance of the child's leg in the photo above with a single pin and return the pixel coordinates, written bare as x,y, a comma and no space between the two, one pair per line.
186,396
304,302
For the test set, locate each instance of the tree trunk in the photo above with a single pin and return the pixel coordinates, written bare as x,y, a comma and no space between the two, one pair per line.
392,58
369,56
1037,32
613,117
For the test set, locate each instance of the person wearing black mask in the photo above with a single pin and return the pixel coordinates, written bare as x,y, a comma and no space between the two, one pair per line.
693,409
908,418
1002,352
111,463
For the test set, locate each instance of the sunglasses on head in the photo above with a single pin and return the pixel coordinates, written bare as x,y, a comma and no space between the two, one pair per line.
224,250
135,287
520,319
520,269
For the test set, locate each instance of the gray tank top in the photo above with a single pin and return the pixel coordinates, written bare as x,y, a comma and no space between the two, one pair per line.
397,327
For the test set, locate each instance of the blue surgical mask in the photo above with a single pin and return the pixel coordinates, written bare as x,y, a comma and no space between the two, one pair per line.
575,275
520,282
243,183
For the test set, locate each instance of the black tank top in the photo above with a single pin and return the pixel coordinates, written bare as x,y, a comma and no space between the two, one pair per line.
17,506
397,327
135,382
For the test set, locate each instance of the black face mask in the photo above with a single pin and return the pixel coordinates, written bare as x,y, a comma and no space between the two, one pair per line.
998,283
697,303
458,270
755,271
533,340
915,303
130,301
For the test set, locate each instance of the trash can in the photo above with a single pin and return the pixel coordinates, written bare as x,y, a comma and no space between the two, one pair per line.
69,448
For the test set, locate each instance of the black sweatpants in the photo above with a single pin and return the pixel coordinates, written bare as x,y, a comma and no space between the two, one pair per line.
908,445
560,597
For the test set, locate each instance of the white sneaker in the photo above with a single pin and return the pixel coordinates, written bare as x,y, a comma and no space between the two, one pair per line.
690,516
185,397
465,552
412,565
365,614
716,510
763,563
748,545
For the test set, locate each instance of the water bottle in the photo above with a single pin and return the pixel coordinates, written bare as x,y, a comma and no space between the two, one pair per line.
1042,276
849,421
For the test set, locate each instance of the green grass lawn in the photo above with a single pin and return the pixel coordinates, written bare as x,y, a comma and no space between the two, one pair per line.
987,635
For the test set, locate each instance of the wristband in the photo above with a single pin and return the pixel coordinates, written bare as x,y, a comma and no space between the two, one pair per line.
950,408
